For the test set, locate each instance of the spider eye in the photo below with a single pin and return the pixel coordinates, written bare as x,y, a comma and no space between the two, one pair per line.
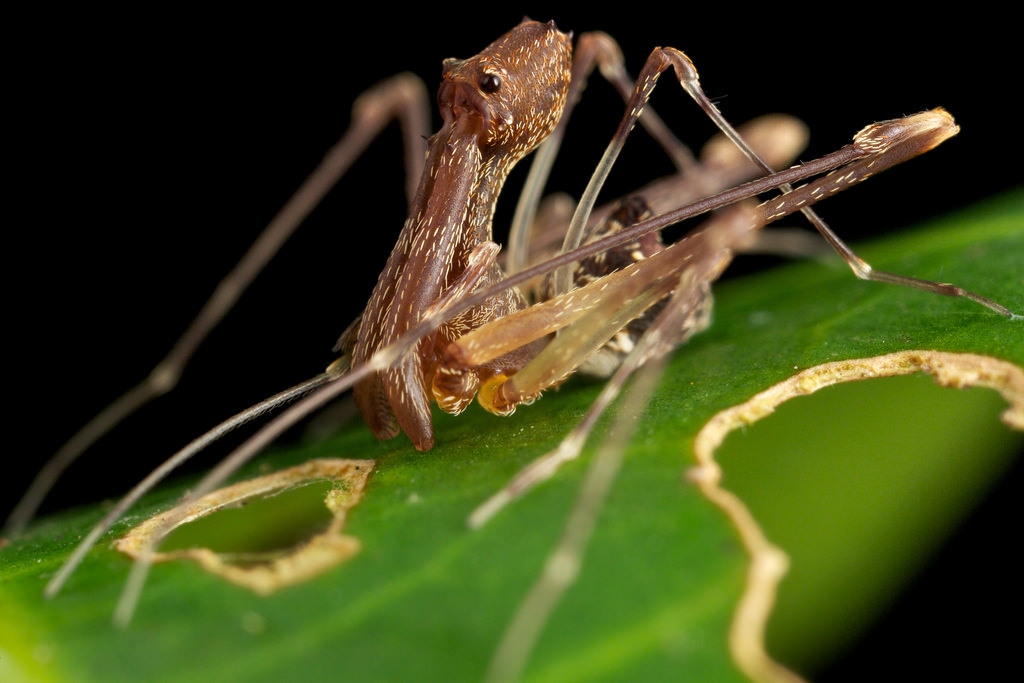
490,82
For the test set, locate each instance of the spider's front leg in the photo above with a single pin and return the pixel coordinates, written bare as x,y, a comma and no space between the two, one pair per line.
593,314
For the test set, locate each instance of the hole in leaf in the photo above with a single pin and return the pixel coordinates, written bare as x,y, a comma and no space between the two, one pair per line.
895,462
872,476
273,524
268,532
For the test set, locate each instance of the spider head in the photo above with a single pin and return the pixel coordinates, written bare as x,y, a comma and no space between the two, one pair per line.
512,94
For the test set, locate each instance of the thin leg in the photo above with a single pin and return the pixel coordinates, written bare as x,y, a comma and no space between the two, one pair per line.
686,313
403,97
776,137
599,50
169,465
564,562
860,268
664,58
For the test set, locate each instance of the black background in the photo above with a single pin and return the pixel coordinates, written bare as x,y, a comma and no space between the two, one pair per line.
150,148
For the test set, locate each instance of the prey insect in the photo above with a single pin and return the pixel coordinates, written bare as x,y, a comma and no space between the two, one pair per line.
445,324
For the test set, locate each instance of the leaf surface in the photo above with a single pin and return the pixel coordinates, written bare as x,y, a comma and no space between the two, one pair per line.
858,507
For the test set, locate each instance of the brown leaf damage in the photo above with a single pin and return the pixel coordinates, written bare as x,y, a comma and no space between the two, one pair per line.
295,565
769,563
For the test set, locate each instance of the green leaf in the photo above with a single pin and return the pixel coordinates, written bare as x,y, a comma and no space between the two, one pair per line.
429,599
